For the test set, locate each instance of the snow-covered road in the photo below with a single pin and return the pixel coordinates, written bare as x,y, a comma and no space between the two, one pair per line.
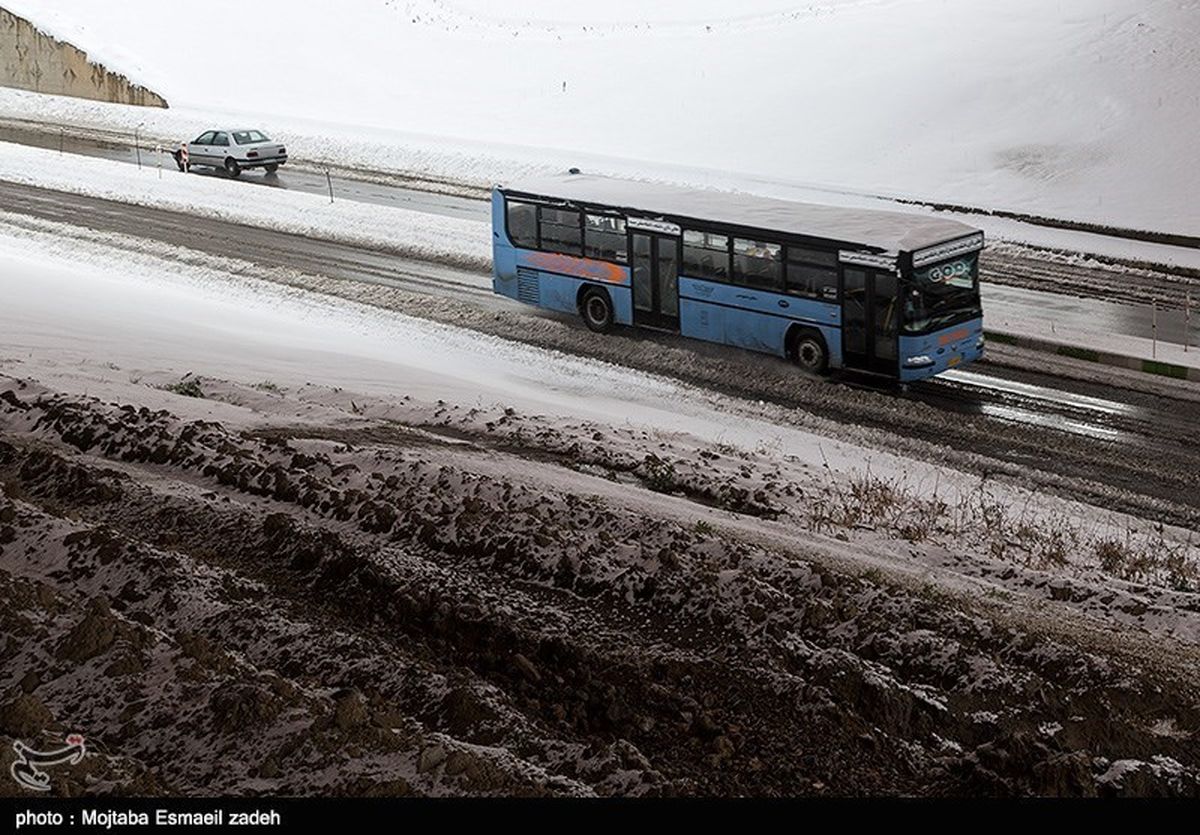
68,302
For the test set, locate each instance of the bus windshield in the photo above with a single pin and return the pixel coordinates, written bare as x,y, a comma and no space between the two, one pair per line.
943,294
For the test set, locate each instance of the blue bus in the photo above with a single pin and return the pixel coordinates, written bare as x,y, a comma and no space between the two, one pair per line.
831,288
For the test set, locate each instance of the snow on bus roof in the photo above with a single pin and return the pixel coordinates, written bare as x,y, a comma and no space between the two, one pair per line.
881,229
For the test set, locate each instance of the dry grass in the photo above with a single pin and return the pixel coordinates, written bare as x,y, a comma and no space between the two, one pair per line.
659,475
188,386
1019,534
1154,560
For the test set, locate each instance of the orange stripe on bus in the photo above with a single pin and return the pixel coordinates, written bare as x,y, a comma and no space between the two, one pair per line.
953,336
570,265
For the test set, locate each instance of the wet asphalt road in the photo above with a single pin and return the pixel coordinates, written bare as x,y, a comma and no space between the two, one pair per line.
1043,401
265,247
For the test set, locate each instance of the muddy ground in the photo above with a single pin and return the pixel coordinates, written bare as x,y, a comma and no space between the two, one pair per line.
320,592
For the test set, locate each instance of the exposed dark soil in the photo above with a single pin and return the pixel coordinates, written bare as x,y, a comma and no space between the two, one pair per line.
299,610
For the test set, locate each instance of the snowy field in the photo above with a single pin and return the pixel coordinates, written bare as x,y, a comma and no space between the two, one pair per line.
1081,110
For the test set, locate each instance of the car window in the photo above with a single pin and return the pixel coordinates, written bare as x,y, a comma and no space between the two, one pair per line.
247,137
204,138
221,139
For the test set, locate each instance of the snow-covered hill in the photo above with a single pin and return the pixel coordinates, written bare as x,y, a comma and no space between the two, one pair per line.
1086,109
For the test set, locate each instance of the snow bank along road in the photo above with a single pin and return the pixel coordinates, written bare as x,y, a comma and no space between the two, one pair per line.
417,189
356,551
1139,272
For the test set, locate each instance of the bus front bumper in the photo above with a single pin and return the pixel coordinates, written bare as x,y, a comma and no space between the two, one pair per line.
930,354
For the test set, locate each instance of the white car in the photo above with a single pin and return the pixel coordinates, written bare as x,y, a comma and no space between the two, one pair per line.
232,150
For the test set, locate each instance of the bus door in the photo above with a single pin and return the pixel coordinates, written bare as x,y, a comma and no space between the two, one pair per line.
654,264
870,320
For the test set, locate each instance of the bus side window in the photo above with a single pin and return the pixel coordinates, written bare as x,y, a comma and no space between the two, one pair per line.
757,264
812,273
705,255
522,224
561,231
604,238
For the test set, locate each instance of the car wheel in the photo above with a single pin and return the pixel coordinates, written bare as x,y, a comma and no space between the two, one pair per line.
232,168
272,167
597,311
810,354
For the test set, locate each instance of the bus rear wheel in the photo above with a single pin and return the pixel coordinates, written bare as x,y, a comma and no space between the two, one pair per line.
597,311
809,352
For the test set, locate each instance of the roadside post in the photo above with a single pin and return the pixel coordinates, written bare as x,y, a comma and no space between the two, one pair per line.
329,180
137,144
1187,320
158,152
1154,329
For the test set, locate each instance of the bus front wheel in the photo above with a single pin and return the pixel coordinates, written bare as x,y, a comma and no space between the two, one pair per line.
597,311
809,352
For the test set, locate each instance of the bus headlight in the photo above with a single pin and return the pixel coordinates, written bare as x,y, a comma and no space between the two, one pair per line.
919,361
979,343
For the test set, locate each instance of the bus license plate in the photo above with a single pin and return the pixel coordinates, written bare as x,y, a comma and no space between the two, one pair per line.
954,360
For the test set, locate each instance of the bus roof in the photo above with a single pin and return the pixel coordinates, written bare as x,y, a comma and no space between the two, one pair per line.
876,228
